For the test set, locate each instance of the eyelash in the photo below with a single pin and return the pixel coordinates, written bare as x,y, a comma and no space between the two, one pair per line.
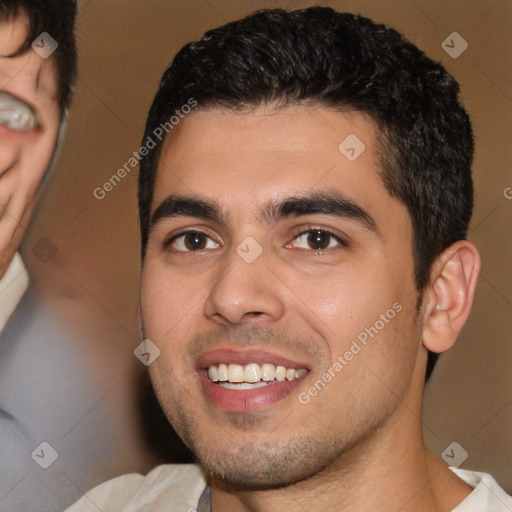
341,241
182,234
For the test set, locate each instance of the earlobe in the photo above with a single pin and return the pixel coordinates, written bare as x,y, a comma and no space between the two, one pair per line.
450,295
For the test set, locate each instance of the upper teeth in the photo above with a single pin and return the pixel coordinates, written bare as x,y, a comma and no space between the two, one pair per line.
252,373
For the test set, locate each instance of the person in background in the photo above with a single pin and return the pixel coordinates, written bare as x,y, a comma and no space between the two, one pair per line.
46,385
35,94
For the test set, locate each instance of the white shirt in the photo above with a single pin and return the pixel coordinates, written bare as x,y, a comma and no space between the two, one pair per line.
179,487
12,287
172,487
487,495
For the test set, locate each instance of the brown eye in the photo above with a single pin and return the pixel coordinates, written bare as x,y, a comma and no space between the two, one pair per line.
318,240
191,241
195,241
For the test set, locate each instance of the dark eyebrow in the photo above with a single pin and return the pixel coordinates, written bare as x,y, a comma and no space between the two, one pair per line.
182,206
328,203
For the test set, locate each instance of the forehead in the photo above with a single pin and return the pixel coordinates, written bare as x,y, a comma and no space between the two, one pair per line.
268,152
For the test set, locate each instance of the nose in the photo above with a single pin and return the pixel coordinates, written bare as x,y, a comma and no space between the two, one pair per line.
245,292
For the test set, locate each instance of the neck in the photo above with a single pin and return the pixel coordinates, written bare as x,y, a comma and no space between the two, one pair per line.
391,471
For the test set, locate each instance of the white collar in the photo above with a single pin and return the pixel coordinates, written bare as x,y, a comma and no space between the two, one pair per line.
12,287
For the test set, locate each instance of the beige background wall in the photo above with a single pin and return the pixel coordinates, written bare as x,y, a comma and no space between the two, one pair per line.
124,47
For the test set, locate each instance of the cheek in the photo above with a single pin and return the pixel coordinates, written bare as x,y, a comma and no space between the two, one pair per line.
168,300
330,307
340,303
392,348
365,308
164,384
35,159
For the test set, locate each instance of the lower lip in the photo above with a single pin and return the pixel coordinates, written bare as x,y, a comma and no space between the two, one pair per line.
14,134
248,400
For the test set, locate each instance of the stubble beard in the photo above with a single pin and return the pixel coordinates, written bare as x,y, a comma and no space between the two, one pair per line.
273,456
269,463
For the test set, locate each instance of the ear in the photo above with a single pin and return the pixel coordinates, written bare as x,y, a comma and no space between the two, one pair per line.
449,296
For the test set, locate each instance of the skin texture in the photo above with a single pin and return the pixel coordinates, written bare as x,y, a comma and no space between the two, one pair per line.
361,435
24,155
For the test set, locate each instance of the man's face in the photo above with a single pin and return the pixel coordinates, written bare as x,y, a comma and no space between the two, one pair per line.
336,259
28,87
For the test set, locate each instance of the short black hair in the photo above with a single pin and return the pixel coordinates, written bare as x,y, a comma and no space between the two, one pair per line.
57,18
321,57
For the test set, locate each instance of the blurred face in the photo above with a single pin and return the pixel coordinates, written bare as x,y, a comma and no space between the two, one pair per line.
29,122
278,285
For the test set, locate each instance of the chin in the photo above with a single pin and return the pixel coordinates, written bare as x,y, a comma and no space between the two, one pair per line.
257,467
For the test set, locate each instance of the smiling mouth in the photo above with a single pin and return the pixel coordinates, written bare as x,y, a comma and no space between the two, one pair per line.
251,376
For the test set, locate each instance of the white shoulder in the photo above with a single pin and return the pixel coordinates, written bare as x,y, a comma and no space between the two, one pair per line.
172,484
487,495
